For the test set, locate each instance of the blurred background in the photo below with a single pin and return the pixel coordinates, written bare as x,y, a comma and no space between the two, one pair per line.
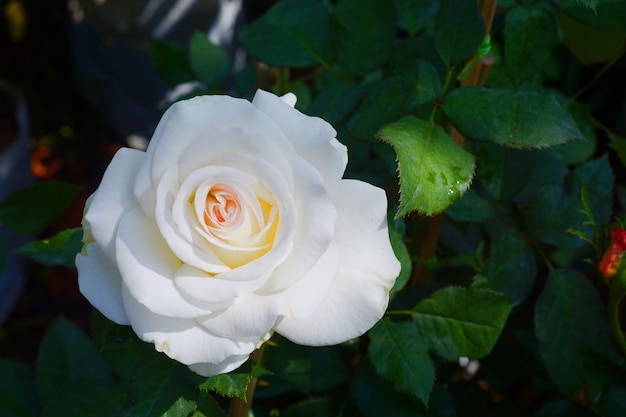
76,83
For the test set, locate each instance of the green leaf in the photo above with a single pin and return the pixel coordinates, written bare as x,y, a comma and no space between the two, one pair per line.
414,15
396,236
171,62
385,101
607,14
210,63
89,397
458,321
618,144
158,386
60,249
363,34
434,171
18,392
530,35
208,407
312,407
399,353
591,45
471,207
428,85
518,119
233,384
375,397
67,355
555,209
575,341
511,267
32,209
292,33
459,30
335,102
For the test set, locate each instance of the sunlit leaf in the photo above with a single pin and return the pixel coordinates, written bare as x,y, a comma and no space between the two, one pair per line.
434,170
458,321
519,119
400,355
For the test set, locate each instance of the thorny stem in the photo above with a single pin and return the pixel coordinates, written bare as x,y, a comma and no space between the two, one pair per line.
239,407
477,76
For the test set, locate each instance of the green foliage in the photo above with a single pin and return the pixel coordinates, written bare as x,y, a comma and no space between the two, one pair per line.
459,321
499,236
459,30
530,35
519,119
399,353
293,33
18,392
574,336
34,208
362,34
209,62
60,249
434,171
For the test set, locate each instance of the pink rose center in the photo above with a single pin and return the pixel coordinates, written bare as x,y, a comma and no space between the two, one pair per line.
223,208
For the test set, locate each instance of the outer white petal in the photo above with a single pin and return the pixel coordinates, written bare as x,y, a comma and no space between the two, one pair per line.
184,123
229,364
147,267
368,268
183,339
113,198
316,216
256,314
100,282
313,138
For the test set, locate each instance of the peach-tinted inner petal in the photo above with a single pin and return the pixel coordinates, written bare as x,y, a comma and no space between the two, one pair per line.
223,207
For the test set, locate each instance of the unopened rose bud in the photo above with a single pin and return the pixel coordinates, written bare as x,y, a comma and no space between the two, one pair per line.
611,259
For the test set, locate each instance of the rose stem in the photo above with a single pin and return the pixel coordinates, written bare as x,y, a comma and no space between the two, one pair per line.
477,76
239,407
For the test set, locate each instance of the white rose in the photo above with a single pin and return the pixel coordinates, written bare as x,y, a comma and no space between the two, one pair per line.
233,224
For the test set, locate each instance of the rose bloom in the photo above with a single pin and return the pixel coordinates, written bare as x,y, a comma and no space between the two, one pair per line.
236,223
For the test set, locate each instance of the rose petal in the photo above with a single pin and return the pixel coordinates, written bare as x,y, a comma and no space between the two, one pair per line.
211,148
100,282
219,289
181,238
187,121
315,226
229,364
255,314
183,339
113,198
313,138
367,271
147,266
